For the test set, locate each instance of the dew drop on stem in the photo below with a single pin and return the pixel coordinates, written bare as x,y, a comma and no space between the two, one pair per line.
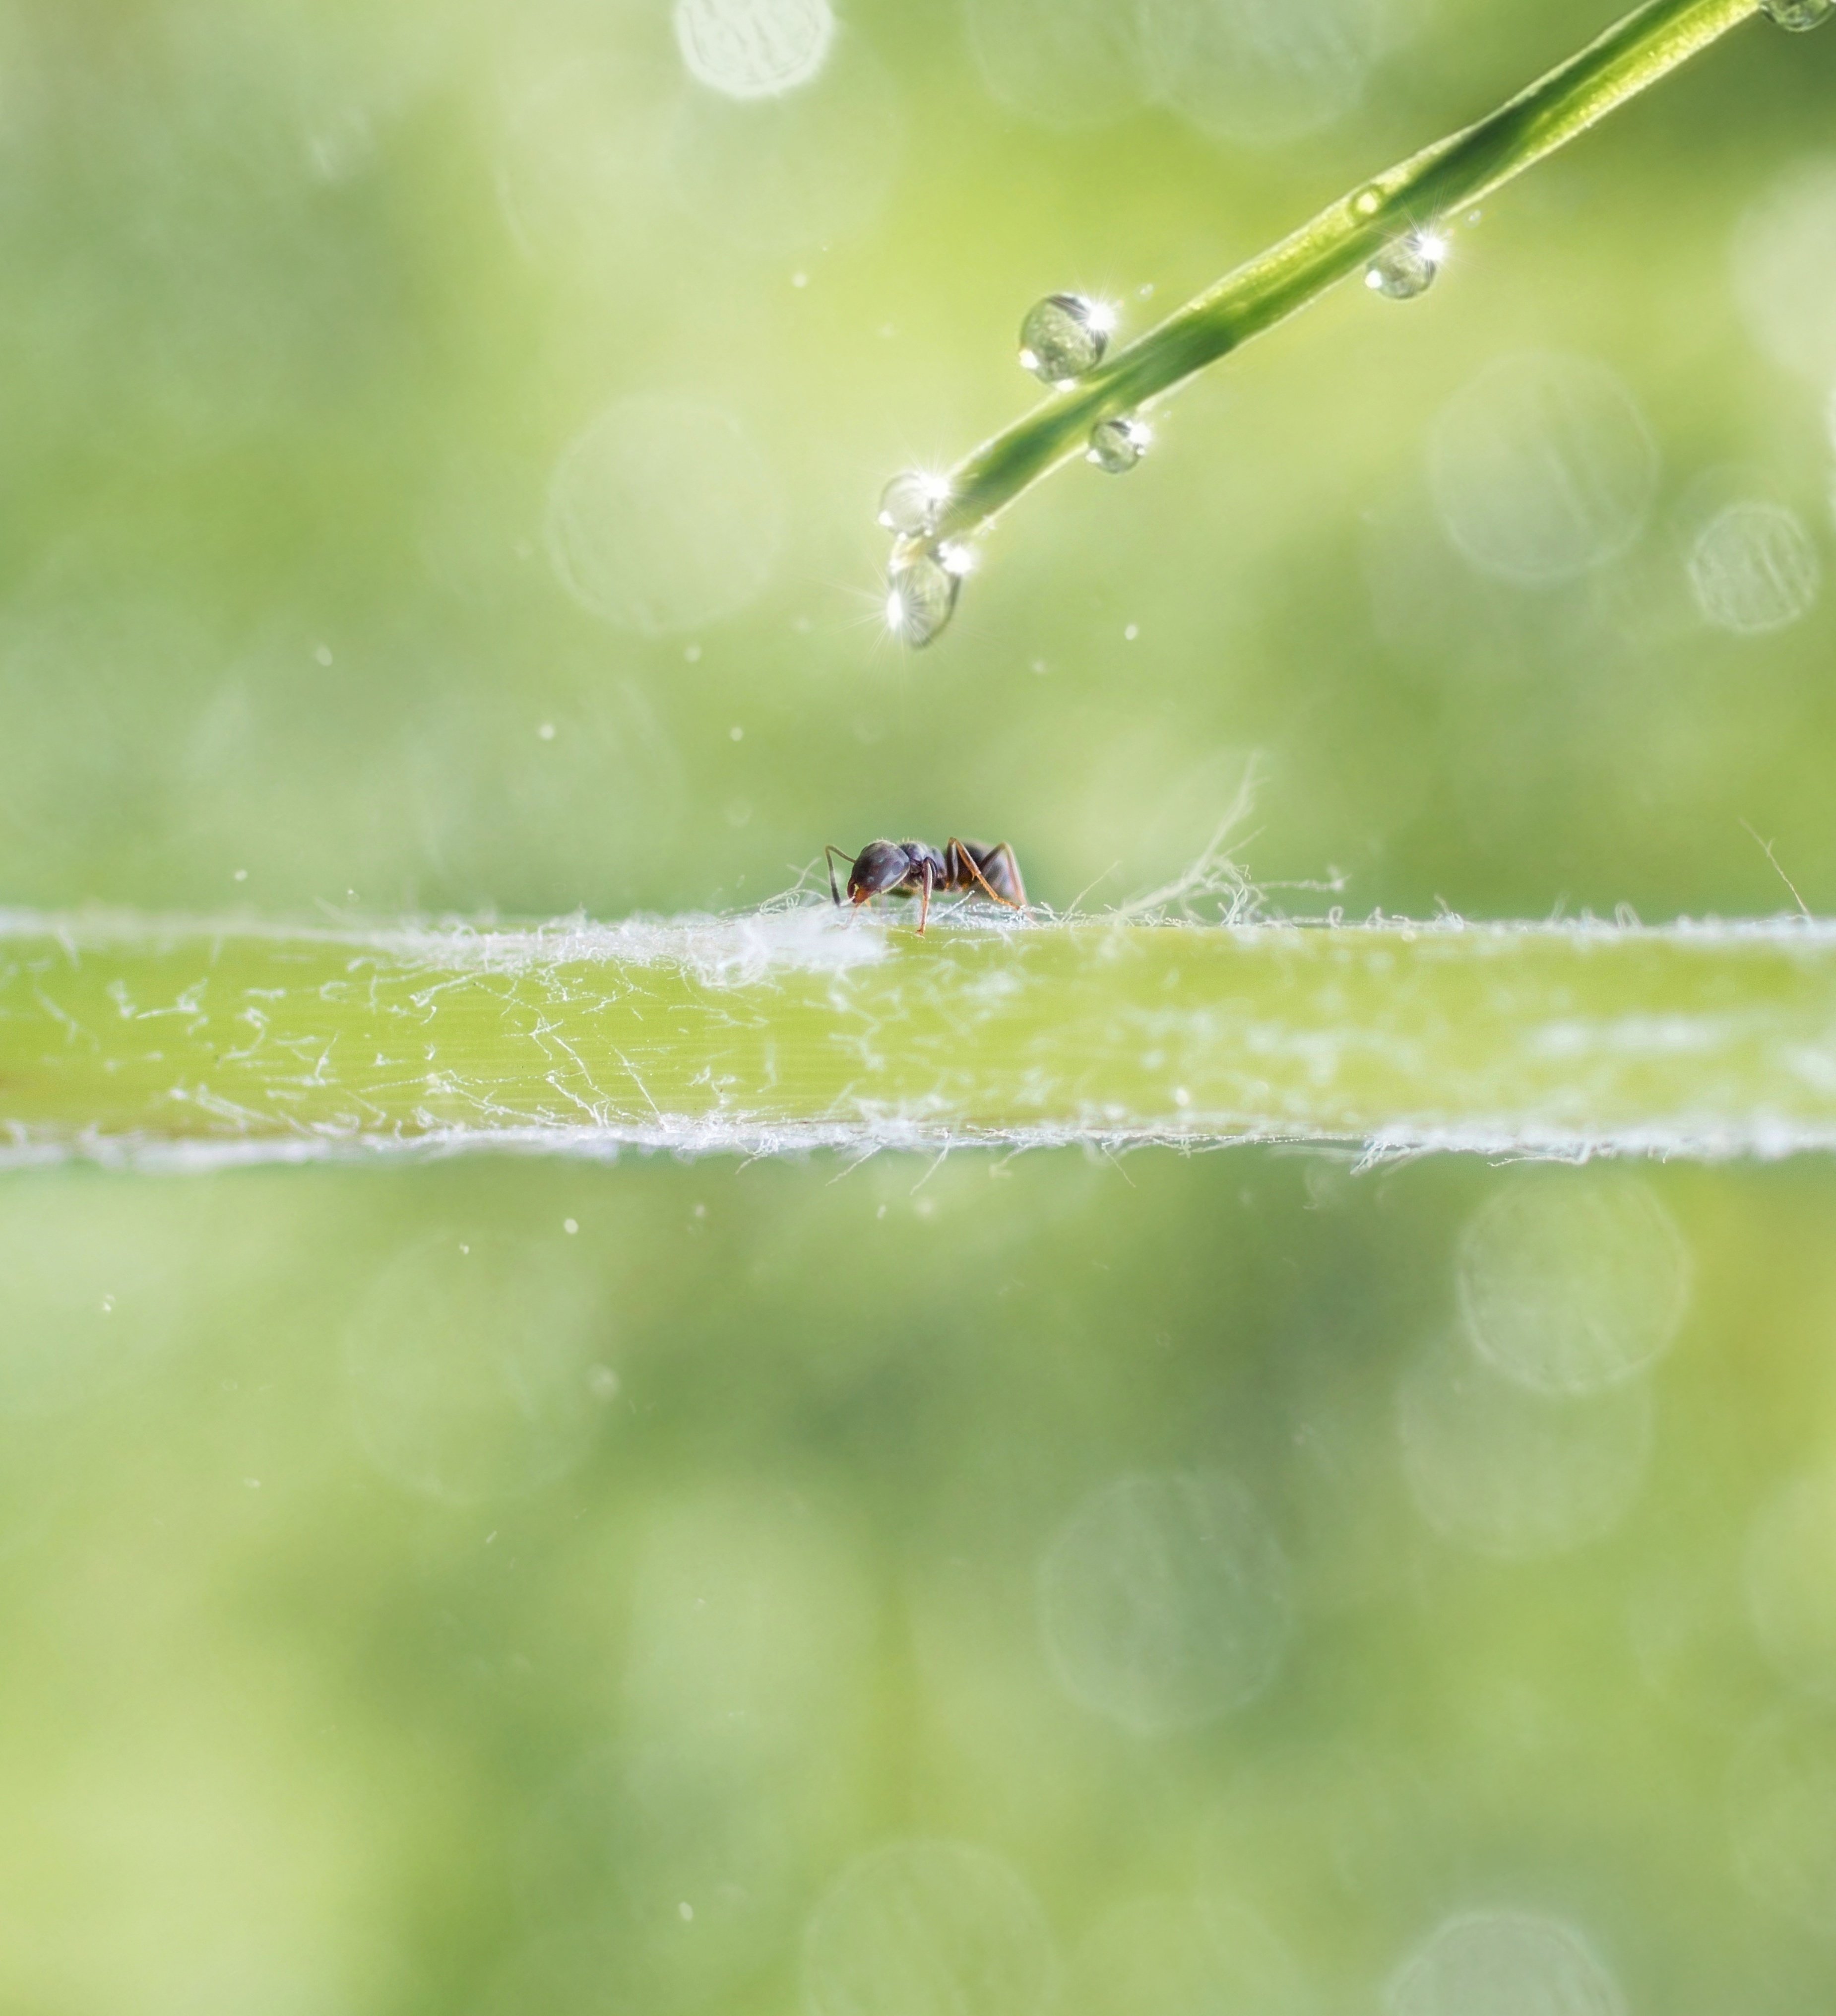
1118,445
1799,14
1063,337
912,503
920,598
1407,268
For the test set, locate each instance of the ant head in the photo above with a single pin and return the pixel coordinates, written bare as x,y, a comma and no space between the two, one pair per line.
883,865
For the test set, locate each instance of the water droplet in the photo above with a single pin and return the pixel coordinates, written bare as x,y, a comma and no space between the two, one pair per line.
912,502
920,599
1753,569
1407,268
1063,336
1164,1602
1368,201
1799,14
1117,445
570,1225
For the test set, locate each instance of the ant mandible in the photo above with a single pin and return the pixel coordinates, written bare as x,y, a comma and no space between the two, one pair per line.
903,867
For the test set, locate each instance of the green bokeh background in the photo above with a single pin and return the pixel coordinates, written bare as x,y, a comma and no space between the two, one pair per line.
304,303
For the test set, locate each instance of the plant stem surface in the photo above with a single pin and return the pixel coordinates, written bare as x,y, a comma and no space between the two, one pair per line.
132,1039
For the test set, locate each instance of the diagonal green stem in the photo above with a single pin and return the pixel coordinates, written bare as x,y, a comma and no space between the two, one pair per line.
1649,43
133,1039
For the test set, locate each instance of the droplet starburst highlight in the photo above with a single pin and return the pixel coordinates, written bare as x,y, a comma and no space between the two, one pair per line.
912,502
921,591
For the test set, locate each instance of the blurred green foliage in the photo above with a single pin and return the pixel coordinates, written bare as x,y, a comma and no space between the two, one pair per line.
379,1643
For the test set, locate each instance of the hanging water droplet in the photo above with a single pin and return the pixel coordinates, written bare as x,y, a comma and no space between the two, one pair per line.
1407,268
1799,14
1063,336
920,598
912,502
1117,445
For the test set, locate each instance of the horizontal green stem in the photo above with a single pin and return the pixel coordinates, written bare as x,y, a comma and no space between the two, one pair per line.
1649,43
135,1039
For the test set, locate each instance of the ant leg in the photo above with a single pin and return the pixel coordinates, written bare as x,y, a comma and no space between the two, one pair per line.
926,875
829,855
957,852
1013,870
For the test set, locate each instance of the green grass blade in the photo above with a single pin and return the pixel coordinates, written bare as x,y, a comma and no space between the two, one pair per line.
1442,179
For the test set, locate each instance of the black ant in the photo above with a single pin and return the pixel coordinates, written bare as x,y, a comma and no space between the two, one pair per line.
903,867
